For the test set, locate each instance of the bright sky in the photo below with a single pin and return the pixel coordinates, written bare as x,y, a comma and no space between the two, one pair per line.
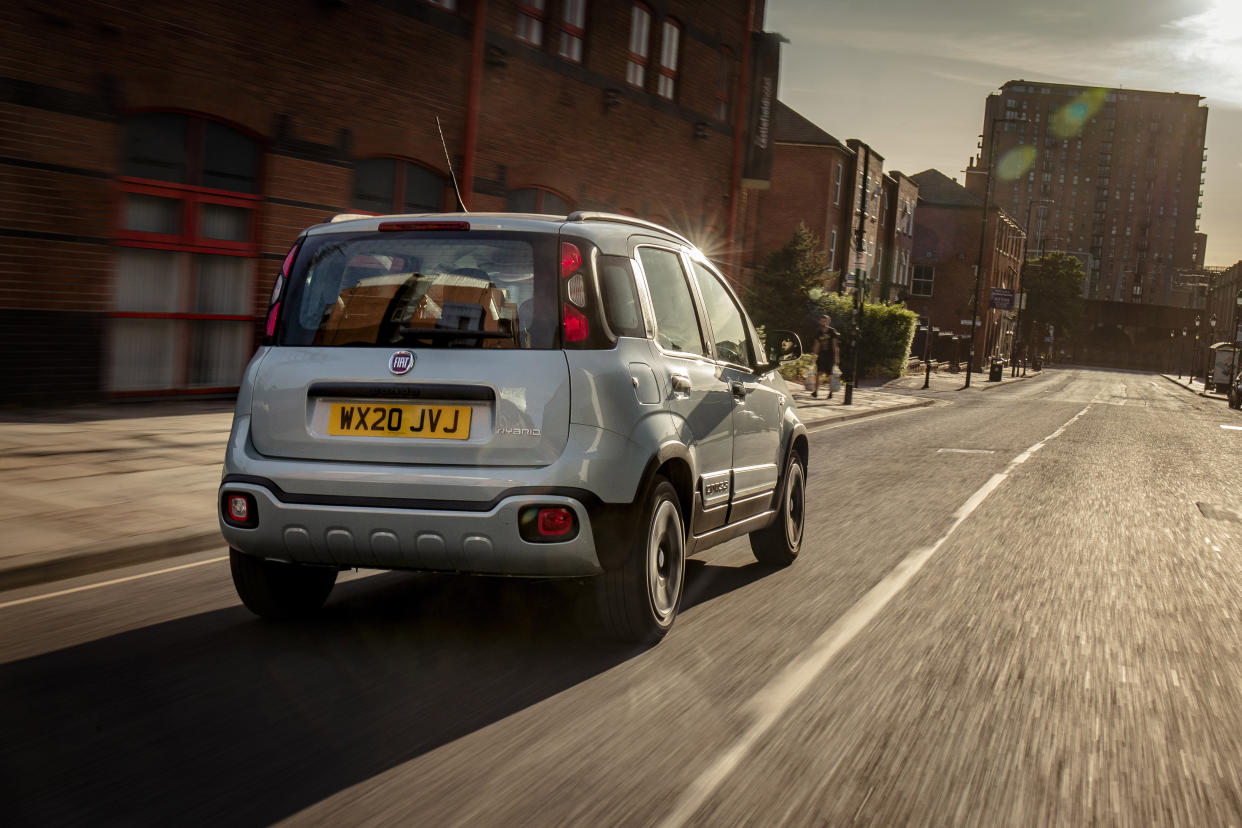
910,76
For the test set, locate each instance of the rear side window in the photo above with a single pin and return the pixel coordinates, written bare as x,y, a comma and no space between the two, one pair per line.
677,324
424,289
621,307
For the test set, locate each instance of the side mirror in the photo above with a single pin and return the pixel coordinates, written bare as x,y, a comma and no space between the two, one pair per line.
783,346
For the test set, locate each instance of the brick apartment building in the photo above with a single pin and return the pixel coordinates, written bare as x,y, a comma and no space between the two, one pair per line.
157,161
817,180
1113,176
947,227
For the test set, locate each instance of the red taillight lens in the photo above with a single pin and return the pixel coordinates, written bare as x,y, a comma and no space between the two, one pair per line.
571,259
576,327
424,225
270,328
555,521
284,268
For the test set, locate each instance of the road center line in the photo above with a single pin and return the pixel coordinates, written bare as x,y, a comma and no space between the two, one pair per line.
33,598
778,696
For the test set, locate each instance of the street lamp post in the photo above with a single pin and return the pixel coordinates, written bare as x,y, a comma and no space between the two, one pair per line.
1172,356
1207,356
1194,354
1182,360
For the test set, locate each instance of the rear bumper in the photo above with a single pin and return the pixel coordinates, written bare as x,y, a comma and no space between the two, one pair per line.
387,537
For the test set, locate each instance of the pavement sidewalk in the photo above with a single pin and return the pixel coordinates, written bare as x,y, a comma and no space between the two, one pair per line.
89,489
1196,385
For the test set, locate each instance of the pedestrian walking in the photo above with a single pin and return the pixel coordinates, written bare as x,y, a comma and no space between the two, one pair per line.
826,347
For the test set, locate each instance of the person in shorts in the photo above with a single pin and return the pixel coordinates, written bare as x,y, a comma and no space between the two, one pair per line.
825,346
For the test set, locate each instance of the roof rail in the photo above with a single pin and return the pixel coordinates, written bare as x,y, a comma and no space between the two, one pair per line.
588,215
349,217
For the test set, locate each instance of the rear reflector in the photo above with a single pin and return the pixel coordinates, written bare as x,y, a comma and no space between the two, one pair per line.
547,524
555,521
576,327
424,225
571,259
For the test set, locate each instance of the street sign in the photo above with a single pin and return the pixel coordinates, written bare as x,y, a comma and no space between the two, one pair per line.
1002,299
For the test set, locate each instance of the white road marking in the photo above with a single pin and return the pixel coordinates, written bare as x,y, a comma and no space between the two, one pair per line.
964,451
33,598
778,696
1232,427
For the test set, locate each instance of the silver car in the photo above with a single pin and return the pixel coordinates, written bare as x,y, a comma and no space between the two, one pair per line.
502,394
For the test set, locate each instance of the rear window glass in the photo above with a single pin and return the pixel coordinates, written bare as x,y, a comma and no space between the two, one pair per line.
424,289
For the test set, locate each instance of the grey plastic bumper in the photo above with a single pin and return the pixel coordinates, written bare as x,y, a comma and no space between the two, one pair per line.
367,537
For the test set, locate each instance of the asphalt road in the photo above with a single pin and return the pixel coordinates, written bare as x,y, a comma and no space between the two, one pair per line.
1022,607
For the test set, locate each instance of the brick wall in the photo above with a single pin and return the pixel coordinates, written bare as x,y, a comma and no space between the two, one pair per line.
320,86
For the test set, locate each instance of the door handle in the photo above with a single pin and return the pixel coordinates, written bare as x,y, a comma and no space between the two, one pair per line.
681,383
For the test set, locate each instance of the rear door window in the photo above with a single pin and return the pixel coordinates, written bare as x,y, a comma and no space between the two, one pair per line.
424,289
677,323
728,327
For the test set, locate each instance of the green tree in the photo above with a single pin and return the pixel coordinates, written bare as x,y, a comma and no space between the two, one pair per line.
781,295
1053,285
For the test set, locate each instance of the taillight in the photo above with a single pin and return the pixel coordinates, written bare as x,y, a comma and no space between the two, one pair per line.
575,327
269,330
571,259
273,304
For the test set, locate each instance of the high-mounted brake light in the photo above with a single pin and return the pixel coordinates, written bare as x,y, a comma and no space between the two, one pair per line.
571,259
575,328
424,225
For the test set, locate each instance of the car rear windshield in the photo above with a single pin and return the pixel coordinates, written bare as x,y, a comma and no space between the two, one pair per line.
424,289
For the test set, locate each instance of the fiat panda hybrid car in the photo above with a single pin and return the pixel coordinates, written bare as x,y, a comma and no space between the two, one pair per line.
520,395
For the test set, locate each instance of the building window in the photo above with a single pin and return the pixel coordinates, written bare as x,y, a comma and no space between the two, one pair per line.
836,187
640,31
924,276
666,86
449,5
531,14
391,185
183,309
573,30
536,200
832,250
724,84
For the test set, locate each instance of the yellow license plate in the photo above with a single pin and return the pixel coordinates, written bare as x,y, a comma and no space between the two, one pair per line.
437,422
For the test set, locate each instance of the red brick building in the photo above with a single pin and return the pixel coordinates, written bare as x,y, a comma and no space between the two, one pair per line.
817,180
947,227
157,161
1120,170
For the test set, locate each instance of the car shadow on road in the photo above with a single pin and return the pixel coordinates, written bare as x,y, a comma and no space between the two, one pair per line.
220,717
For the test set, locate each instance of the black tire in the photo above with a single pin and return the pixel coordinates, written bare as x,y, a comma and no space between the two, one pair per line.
639,602
778,544
271,589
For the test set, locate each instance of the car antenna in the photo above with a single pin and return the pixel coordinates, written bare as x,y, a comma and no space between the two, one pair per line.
449,161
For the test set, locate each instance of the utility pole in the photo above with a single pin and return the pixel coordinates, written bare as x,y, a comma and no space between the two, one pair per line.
860,262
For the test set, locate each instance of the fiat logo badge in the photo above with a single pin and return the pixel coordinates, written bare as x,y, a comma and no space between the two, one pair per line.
401,362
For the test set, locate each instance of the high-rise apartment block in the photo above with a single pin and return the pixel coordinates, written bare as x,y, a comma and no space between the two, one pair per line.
1112,176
